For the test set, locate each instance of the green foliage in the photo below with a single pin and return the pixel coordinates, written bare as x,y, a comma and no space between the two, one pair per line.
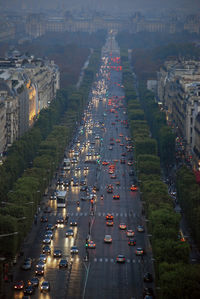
179,280
189,196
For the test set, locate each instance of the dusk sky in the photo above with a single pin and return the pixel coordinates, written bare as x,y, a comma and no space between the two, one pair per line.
114,6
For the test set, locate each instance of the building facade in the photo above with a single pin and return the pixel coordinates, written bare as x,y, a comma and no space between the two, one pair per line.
179,92
27,85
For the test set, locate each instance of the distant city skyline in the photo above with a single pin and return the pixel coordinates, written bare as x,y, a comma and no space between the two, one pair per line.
111,6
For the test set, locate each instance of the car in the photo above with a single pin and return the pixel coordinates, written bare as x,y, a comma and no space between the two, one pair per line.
109,189
108,239
47,209
113,176
148,277
85,168
120,258
109,216
18,285
29,290
60,220
122,161
110,147
75,183
73,223
45,286
82,183
134,188
139,251
131,242
83,188
91,244
130,233
46,240
122,226
50,226
63,263
34,282
74,250
43,258
69,233
116,196
105,163
57,253
40,264
26,265
46,249
140,228
109,222
44,218
117,183
39,271
131,173
130,163
49,234
148,292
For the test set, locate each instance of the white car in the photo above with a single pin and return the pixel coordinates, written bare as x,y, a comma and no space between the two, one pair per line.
130,233
108,239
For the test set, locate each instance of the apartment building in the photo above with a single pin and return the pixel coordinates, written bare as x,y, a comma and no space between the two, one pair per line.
179,91
27,85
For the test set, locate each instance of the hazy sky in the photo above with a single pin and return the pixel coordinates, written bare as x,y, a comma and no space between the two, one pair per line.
99,5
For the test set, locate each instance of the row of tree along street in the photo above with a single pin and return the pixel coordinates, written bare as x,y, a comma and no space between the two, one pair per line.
32,161
175,277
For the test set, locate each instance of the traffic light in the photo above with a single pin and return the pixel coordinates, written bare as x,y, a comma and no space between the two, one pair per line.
86,243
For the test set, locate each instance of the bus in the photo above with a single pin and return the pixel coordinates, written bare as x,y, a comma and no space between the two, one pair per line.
61,199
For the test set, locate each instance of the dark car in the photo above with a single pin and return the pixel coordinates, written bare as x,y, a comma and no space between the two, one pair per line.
73,223
63,264
148,277
29,290
44,218
34,282
148,292
132,242
57,253
18,285
46,249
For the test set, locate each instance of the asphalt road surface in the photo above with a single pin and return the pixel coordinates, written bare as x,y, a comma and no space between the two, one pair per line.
100,275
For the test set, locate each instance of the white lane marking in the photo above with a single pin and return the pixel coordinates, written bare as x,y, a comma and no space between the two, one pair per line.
101,260
125,214
128,261
99,214
117,214
85,214
111,260
76,214
106,260
81,214
95,259
121,214
133,261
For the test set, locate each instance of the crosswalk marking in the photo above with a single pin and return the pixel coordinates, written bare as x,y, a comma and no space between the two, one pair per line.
99,214
112,260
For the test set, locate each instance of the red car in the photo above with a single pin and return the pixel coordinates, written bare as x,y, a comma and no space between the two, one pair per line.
134,188
116,196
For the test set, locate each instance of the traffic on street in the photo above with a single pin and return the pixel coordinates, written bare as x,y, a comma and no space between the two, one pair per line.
92,240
